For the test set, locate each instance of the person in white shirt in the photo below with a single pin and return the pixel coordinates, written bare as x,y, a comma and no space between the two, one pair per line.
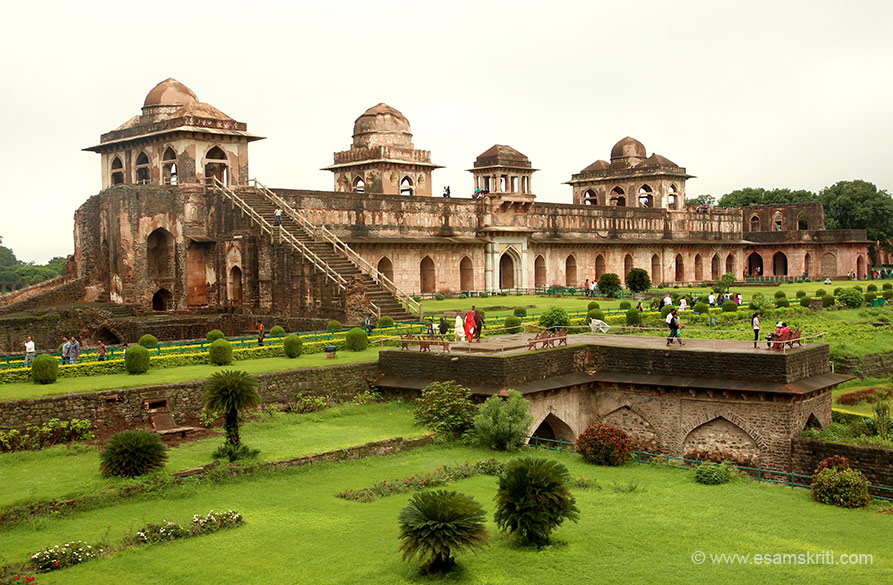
668,300
683,304
278,215
755,323
29,351
712,300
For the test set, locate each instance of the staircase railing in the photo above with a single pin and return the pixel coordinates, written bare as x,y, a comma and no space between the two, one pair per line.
217,185
321,232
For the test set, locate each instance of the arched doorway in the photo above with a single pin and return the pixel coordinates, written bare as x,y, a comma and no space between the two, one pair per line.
829,265
807,264
680,268
427,275
627,265
755,264
466,274
160,254
730,263
780,264
539,272
162,300
386,268
107,336
699,268
714,267
216,165
570,271
860,267
235,285
599,266
506,271
656,275
554,429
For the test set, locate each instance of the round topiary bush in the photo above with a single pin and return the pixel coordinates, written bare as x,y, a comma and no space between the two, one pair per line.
871,287
779,294
701,308
214,335
633,317
869,296
44,369
887,286
850,298
292,346
857,287
801,293
835,483
554,317
132,453
603,444
805,302
729,306
519,312
820,293
625,305
782,303
149,341
827,301
220,353
593,305
595,314
665,310
136,360
438,297
713,473
356,340
277,330
512,324
385,321
334,325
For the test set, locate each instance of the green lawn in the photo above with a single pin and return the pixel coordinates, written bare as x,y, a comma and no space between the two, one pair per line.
297,532
855,385
182,374
61,472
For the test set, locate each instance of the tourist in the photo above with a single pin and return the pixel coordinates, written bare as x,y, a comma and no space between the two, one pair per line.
444,327
586,288
683,304
469,325
429,326
446,192
459,329
655,303
278,215
739,299
675,326
260,334
478,324
368,323
711,300
668,300
774,335
29,351
125,350
66,346
74,351
593,288
100,351
755,323
639,307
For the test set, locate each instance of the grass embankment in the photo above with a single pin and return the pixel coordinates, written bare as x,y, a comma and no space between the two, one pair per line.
61,472
297,531
865,408
22,390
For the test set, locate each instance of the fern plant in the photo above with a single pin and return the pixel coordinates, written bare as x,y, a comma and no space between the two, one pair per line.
132,453
228,392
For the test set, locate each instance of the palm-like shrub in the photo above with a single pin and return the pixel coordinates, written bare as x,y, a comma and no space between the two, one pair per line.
637,280
132,453
292,346
149,341
45,369
214,335
554,317
534,498
277,330
435,525
503,425
136,360
603,444
220,353
227,393
512,324
445,408
334,325
356,340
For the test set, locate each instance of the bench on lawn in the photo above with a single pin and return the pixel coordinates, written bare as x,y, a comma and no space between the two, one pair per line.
163,424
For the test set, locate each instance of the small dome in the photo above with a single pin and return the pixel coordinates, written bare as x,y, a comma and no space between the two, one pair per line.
501,155
656,160
627,148
169,92
382,125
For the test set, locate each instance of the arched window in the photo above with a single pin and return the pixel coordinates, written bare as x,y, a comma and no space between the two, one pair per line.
160,254
730,263
359,185
386,268
466,274
777,223
169,167
673,198
802,222
216,166
590,197
627,265
235,285
142,169
755,223
656,276
406,187
570,271
599,266
617,199
646,196
117,172
680,268
539,271
427,275
699,268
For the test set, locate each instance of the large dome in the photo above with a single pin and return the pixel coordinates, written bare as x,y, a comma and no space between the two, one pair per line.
169,92
382,125
627,148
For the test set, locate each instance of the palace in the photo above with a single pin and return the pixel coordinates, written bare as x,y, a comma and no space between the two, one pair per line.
180,227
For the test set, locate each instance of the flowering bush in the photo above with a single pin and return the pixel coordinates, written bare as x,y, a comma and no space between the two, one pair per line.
154,533
603,444
215,521
840,486
65,555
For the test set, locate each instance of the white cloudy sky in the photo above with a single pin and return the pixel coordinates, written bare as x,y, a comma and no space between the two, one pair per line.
774,94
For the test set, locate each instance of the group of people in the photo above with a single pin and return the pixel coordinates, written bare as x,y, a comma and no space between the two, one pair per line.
590,287
713,300
468,327
70,353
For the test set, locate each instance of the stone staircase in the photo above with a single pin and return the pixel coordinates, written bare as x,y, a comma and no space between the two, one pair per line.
322,248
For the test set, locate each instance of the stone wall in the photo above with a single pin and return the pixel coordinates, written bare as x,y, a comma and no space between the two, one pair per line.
875,462
873,365
184,400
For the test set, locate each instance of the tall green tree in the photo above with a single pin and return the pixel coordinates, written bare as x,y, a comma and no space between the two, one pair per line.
229,392
860,205
760,196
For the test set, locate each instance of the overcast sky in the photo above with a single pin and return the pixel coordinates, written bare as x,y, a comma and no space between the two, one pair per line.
771,94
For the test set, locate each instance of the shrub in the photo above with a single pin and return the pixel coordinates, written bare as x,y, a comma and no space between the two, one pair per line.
665,310
827,301
519,312
214,335
593,305
149,341
445,408
438,297
233,453
782,303
633,317
779,294
58,557
625,305
837,291
713,473
603,444
292,346
277,330
805,302
136,360
729,306
44,369
858,288
434,525
554,317
595,314
484,295
801,293
888,295
871,287
869,296
840,486
417,298
385,321
725,281
887,286
758,302
882,419
701,308
220,353
503,424
227,393
608,284
534,498
334,325
132,453
512,324
638,280
820,293
356,339
850,298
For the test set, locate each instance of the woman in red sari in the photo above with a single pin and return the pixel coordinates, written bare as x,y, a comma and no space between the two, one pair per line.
469,326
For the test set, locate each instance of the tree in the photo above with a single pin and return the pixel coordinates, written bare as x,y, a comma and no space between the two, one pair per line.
608,284
503,425
702,199
638,280
446,408
726,281
760,196
860,205
229,392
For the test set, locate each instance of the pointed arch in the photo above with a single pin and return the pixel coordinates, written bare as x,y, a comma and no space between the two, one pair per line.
570,271
672,197
656,273
635,424
358,185
628,265
160,258
406,186
590,197
217,166
777,222
755,264
699,268
169,175
755,224
509,269
780,264
386,268
680,268
117,171
466,274
730,264
808,267
812,422
829,265
714,267
234,285
646,196
539,271
427,275
722,437
617,197
553,428
861,271
142,168
162,300
599,266
802,222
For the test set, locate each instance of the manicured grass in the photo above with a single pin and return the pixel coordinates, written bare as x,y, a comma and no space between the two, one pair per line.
182,374
296,531
60,472
856,385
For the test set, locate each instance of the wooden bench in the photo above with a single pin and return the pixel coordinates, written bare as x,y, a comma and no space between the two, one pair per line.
533,341
794,338
406,341
789,339
561,337
163,424
425,342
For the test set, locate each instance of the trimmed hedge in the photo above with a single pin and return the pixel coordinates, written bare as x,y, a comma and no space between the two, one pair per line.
149,341
827,301
593,305
512,324
633,317
214,335
596,314
729,307
701,308
356,339
292,346
136,360
277,330
521,312
334,325
386,321
220,353
782,302
805,302
45,369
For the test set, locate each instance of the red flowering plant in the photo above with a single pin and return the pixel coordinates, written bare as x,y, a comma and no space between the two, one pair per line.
603,444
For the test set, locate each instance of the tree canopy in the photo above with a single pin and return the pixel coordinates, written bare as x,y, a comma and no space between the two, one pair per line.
12,269
760,196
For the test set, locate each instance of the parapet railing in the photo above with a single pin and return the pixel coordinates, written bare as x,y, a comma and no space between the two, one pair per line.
217,185
745,336
325,234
